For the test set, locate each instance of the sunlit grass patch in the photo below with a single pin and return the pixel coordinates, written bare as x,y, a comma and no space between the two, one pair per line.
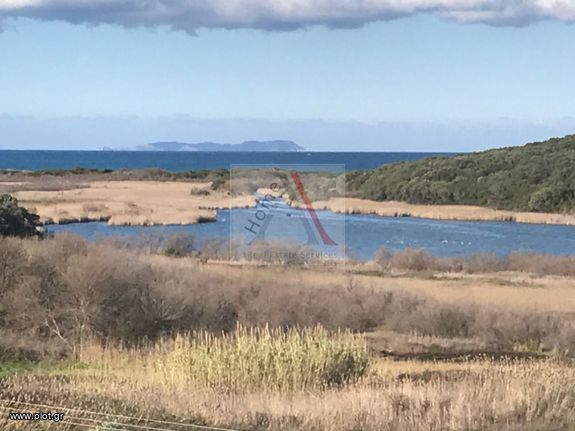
10,368
264,358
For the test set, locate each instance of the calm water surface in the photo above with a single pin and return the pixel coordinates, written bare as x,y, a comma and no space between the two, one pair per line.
365,234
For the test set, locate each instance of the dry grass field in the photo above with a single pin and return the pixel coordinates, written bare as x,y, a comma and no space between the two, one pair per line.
124,339
122,389
509,290
130,202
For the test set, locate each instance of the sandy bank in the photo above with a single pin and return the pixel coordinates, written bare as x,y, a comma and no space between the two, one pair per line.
440,212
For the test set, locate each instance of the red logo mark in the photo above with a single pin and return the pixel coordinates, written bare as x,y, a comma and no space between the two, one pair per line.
310,209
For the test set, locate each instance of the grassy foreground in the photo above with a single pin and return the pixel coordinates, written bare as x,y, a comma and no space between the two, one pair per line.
307,380
119,337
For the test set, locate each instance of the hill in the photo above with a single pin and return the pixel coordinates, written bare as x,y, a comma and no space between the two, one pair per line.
536,177
256,146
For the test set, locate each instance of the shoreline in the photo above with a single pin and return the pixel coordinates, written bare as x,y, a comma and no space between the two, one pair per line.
439,212
358,207
152,203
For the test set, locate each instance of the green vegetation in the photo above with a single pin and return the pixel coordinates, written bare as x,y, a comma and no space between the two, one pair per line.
11,368
537,177
16,220
68,179
52,367
263,358
56,172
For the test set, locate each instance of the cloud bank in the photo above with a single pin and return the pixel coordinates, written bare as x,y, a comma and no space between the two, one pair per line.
92,133
190,15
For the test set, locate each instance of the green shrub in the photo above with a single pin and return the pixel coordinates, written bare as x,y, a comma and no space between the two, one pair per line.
16,220
271,359
542,200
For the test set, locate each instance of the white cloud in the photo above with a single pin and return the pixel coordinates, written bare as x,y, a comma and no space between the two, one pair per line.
190,15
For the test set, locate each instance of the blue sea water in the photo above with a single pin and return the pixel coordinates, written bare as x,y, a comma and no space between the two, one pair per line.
188,161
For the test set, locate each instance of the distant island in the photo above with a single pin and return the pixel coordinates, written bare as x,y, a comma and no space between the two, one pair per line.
255,146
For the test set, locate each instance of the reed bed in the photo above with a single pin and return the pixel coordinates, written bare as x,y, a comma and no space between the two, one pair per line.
395,396
137,203
299,379
246,359
251,359
439,212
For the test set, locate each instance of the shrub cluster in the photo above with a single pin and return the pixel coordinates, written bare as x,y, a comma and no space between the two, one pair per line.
536,177
56,293
65,290
16,220
419,260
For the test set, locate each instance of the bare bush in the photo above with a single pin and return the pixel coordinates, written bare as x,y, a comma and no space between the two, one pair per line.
67,290
542,265
382,256
11,257
482,263
180,245
413,260
419,261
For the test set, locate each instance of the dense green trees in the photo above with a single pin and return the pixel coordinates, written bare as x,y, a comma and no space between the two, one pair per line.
536,177
16,220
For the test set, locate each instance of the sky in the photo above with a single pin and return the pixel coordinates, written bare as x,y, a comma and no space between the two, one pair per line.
339,75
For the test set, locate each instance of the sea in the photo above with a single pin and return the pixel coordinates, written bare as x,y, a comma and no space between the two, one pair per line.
191,161
363,234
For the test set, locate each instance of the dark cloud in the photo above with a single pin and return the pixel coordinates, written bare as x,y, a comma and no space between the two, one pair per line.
190,15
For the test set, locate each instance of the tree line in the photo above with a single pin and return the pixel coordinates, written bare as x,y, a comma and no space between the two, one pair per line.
537,177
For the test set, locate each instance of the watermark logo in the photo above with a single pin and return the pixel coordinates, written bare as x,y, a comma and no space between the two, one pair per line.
311,210
282,222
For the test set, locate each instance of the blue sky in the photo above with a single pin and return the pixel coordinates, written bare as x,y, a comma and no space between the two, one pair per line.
383,85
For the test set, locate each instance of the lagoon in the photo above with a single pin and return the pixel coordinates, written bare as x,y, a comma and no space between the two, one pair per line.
364,234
